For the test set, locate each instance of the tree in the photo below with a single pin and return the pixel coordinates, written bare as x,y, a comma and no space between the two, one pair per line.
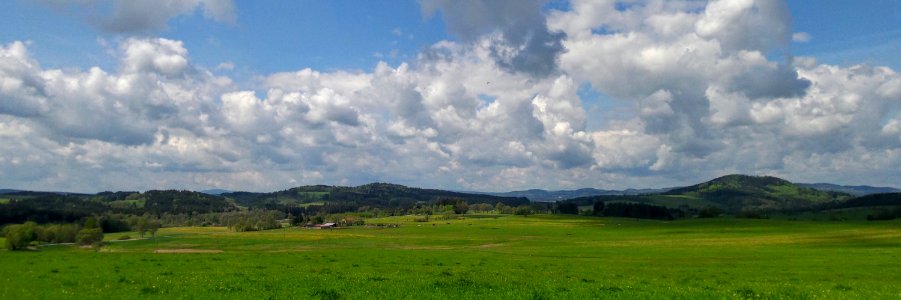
461,207
89,236
153,226
141,226
523,210
709,212
91,233
568,208
91,223
481,207
19,236
503,208
598,208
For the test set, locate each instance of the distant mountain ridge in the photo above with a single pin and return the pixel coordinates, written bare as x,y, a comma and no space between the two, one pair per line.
8,191
372,194
540,195
736,194
216,192
35,193
856,190
733,193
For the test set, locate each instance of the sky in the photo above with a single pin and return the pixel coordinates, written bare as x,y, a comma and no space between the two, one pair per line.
464,95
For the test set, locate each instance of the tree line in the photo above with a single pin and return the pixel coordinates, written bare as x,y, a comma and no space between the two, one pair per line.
21,236
617,209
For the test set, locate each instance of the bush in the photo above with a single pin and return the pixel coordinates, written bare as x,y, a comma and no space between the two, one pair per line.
89,236
637,210
65,233
568,208
523,210
885,214
709,212
19,236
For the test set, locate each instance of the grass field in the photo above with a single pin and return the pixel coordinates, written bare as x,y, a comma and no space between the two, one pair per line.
507,257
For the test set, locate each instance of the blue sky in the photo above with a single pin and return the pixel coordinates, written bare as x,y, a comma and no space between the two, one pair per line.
849,32
323,35
467,95
331,35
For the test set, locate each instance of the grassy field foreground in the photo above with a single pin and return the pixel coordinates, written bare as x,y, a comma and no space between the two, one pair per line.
509,257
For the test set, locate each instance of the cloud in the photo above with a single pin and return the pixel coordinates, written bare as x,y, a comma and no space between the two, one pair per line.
801,37
524,43
746,24
227,66
21,91
140,16
691,102
707,94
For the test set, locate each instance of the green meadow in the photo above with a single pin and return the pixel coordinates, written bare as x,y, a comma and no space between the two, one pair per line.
479,257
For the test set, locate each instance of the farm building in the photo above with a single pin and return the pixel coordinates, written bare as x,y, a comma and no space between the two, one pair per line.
326,225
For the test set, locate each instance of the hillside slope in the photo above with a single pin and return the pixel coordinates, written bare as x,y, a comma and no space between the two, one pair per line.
559,195
856,190
373,194
734,193
737,192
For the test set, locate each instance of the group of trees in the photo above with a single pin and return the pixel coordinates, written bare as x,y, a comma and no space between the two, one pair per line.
885,214
254,220
631,210
458,207
636,210
617,209
20,236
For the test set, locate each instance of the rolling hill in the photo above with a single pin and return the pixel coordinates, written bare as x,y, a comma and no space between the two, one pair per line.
734,193
856,190
885,199
539,195
373,194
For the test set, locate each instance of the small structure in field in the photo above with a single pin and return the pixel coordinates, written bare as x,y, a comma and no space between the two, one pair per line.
325,225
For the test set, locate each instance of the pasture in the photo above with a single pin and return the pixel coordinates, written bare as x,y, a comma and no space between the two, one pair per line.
479,257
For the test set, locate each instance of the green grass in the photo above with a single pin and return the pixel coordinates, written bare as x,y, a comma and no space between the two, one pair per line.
4,200
505,257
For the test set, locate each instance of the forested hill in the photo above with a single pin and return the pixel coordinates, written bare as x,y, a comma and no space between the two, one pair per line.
50,207
374,194
886,199
559,195
735,193
856,190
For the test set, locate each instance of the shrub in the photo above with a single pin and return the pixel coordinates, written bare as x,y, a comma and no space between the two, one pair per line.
709,212
89,236
19,236
523,210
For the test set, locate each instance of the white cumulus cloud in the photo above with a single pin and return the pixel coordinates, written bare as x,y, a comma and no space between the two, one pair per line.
697,92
